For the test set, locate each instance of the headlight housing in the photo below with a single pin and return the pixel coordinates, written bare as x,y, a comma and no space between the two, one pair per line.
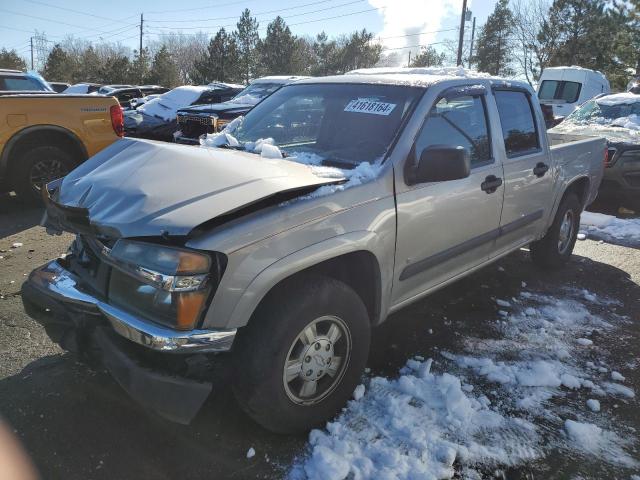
163,284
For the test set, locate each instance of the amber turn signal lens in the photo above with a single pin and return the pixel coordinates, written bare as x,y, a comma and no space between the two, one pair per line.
189,306
193,263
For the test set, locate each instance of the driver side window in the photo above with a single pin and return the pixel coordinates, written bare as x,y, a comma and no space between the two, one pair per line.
459,121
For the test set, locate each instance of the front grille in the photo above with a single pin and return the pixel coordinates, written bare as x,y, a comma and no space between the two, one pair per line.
198,119
85,261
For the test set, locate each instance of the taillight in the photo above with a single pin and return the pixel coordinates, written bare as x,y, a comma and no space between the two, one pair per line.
609,153
117,120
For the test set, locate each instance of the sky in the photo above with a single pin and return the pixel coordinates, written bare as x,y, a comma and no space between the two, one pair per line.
399,24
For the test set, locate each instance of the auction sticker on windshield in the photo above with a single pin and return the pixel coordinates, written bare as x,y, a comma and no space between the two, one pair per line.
369,105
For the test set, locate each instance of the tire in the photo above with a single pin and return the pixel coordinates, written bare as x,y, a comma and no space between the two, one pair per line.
272,338
555,248
39,165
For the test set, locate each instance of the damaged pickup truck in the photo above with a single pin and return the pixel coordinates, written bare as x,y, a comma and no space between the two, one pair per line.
335,202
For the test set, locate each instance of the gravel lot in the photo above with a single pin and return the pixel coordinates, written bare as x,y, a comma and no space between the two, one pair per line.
76,423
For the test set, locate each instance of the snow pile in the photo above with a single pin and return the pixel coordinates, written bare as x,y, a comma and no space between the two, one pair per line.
608,227
167,105
632,122
426,424
415,427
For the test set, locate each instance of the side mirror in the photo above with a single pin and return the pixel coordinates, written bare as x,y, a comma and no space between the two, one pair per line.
441,163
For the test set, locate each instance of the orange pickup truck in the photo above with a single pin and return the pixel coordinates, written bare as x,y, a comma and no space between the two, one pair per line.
44,136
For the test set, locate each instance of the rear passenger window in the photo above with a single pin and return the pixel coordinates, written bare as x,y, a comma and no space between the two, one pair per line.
518,123
459,121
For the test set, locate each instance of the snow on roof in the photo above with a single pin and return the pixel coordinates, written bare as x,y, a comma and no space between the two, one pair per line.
225,85
618,99
284,79
432,71
166,105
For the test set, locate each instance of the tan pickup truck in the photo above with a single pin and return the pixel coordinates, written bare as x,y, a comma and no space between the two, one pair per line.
44,136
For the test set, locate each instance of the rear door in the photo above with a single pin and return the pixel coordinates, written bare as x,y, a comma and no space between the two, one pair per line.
445,228
528,174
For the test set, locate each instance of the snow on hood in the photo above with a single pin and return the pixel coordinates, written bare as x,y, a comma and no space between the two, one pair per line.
144,188
622,130
167,105
618,99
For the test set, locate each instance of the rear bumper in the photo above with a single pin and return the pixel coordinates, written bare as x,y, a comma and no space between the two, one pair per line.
55,286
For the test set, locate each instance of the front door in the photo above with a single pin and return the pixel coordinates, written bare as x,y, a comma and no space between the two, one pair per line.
445,228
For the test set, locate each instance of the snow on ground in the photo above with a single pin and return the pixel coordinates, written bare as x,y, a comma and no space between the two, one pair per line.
610,228
501,402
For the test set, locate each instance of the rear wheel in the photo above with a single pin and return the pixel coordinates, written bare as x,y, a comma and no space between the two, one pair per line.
302,355
556,247
37,167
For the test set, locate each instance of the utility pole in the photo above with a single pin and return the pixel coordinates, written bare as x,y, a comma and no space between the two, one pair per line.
461,38
31,40
140,51
473,33
409,62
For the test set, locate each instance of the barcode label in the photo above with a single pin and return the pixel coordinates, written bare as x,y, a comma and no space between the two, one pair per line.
369,105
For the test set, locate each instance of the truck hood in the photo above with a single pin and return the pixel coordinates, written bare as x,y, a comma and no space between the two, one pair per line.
137,188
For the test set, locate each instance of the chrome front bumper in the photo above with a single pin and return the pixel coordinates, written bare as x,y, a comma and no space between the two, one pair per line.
60,285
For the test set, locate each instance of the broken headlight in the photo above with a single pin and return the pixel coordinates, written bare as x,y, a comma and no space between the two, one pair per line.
163,284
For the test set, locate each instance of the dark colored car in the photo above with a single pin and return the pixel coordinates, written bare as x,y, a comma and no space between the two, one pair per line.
198,120
128,96
156,119
59,87
615,117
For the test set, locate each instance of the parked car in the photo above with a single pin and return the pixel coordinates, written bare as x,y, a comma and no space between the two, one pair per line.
369,191
617,118
198,120
129,96
59,87
156,119
17,81
81,88
566,88
107,89
44,136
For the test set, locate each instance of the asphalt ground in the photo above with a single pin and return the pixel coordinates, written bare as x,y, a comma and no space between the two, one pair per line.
77,423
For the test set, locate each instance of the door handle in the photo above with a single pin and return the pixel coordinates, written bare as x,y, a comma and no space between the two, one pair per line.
491,184
540,169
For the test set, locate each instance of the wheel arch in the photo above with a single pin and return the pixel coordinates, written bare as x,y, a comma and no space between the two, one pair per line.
41,135
339,258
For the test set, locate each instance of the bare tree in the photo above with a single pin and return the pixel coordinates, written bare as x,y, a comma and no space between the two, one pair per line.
532,50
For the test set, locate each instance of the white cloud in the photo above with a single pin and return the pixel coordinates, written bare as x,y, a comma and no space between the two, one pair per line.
412,17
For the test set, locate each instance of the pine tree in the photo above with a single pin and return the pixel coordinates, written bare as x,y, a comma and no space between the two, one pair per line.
493,46
59,66
278,49
325,56
163,70
140,66
581,29
89,67
247,38
428,57
116,69
220,61
357,51
11,60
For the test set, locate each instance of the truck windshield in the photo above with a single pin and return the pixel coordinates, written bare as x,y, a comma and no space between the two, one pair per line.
604,113
255,92
340,124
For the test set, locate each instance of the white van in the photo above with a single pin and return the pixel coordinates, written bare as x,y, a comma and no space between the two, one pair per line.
566,88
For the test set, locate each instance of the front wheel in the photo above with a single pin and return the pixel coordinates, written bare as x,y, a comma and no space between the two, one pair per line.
555,248
299,360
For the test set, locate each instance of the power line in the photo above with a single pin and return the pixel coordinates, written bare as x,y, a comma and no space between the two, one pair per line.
255,14
72,10
288,16
44,19
208,7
